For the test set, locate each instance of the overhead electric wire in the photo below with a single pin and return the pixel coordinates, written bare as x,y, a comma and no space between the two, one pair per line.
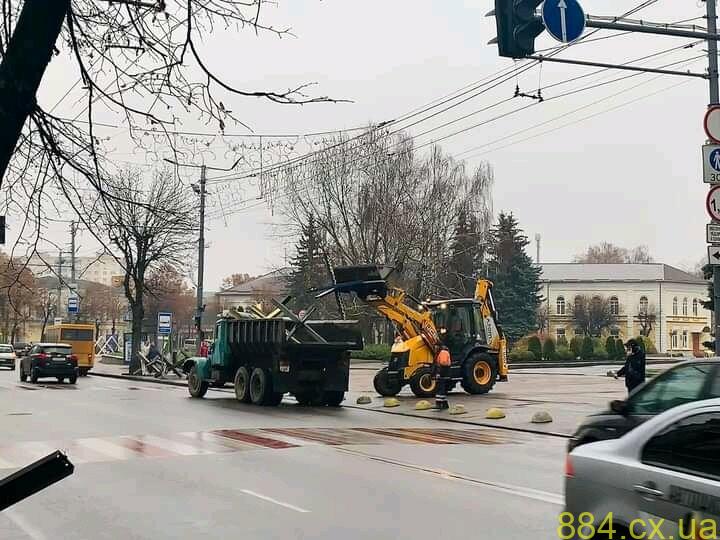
508,113
289,163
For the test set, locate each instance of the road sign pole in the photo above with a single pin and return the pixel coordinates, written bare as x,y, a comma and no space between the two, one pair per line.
201,261
714,100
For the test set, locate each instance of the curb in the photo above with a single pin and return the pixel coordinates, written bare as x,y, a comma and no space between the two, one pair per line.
539,365
166,382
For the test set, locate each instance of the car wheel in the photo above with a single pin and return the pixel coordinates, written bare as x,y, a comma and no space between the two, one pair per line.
72,379
60,379
34,375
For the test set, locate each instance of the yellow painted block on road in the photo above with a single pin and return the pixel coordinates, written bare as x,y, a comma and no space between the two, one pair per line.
494,413
458,409
391,402
423,405
364,400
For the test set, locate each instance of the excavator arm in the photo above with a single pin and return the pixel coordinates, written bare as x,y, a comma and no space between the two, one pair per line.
495,335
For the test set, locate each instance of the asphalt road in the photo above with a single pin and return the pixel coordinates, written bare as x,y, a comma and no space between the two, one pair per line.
152,463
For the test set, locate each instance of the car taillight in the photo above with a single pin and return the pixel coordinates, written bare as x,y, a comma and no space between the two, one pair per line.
569,469
43,356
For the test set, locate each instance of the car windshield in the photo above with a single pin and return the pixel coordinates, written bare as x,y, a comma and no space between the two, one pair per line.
56,350
6,349
675,387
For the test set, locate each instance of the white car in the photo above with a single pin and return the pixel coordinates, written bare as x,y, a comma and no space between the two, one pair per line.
7,356
660,480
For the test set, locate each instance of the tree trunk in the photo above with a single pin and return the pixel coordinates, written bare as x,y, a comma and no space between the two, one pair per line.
28,54
44,324
138,313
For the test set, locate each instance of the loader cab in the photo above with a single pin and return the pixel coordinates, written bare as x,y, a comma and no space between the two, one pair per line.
459,323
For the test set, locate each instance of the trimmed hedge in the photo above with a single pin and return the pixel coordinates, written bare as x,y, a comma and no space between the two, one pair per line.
549,349
379,351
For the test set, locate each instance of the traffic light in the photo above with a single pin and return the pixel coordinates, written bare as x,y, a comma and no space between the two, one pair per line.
517,27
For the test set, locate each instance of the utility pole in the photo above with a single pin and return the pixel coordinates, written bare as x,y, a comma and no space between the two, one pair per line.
59,287
73,231
201,260
714,100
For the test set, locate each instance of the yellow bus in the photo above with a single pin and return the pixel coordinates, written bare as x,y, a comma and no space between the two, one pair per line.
81,337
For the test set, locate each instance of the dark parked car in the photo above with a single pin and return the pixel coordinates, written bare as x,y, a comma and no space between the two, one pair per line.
49,360
683,383
21,348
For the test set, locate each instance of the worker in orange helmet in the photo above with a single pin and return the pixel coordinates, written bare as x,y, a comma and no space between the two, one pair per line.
442,374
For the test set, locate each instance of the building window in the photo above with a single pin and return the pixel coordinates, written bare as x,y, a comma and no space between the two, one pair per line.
615,332
614,306
643,304
673,340
560,305
675,305
695,307
684,306
560,333
684,341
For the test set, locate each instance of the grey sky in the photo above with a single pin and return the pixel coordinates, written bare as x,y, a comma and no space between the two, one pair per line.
629,176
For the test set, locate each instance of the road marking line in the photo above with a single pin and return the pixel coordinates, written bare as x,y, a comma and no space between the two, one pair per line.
23,524
275,501
521,491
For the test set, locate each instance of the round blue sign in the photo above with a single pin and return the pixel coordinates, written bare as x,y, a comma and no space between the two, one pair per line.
564,19
714,159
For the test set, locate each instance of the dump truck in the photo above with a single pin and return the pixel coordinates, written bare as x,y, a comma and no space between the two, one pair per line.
267,356
467,327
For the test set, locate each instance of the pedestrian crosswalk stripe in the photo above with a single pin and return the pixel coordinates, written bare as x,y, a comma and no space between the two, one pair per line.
220,441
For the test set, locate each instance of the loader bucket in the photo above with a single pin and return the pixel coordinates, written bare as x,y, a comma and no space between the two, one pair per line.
365,272
363,280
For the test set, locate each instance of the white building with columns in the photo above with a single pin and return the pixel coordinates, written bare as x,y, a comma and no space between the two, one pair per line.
679,322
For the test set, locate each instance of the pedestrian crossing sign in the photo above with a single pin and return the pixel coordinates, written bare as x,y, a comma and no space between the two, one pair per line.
711,163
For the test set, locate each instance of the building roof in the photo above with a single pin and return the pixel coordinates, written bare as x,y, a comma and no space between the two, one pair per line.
582,272
275,282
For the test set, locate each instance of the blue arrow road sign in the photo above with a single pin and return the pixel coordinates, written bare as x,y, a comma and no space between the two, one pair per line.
564,19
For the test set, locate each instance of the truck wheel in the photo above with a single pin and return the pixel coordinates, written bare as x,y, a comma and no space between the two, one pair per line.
384,386
422,383
479,374
260,387
333,398
242,385
197,387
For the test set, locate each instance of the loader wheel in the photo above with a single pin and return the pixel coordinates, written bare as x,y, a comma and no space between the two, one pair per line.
261,392
197,387
422,383
242,385
384,386
333,398
479,374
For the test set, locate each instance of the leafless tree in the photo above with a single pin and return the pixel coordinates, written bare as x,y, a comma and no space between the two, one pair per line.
543,318
592,315
374,200
150,228
141,61
647,317
45,306
607,253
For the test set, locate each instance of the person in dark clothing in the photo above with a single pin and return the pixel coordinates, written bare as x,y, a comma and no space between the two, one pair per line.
634,368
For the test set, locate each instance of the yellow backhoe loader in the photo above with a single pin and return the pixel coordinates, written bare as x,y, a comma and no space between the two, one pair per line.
468,327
